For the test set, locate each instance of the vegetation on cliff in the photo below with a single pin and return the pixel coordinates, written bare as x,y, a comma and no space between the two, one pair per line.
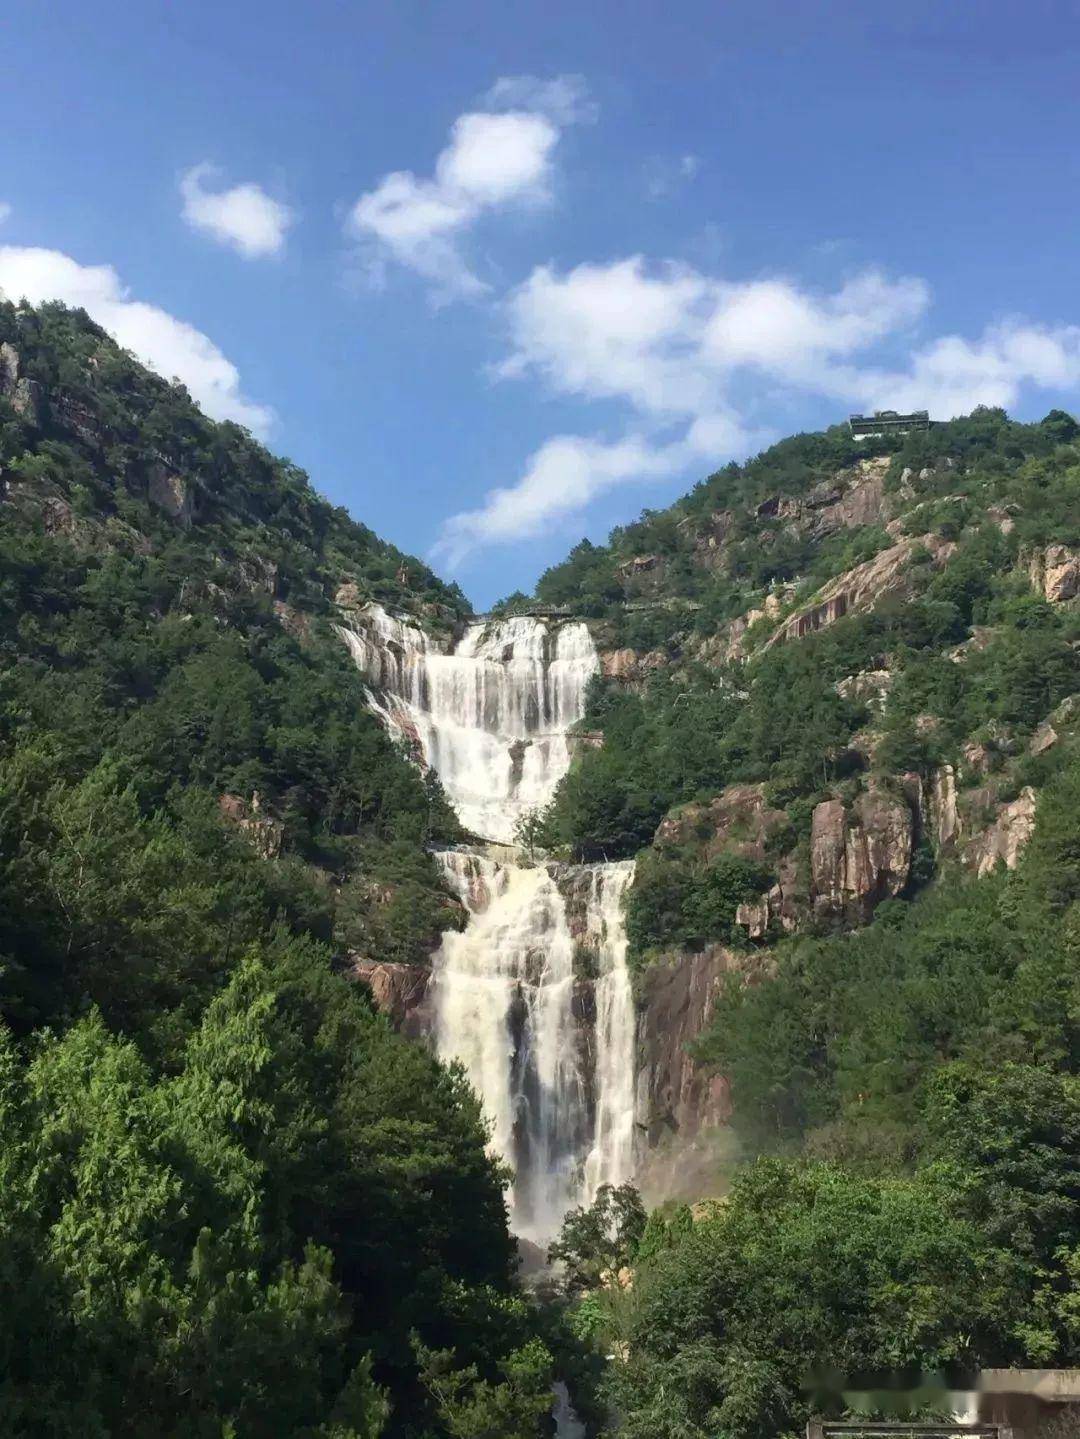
948,650
913,1094
840,697
232,1199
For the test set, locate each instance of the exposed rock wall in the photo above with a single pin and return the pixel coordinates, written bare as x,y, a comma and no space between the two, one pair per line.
265,833
17,389
1055,572
860,855
860,589
675,1095
400,991
1004,840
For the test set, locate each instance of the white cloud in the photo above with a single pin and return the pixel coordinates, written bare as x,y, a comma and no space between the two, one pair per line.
951,375
168,345
560,479
569,471
676,347
775,326
5,211
495,158
667,339
243,217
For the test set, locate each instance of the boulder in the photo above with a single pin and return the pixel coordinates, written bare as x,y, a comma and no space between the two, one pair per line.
738,821
754,918
169,490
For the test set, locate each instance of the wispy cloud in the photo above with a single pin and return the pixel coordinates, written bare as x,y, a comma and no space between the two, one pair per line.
170,346
5,211
665,176
680,349
243,217
564,99
495,158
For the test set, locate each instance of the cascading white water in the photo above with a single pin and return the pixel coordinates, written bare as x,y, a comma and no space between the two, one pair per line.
558,1090
490,714
550,1054
611,1157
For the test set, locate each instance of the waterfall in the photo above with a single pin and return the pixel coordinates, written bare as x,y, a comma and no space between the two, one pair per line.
558,1085
611,1157
489,714
534,996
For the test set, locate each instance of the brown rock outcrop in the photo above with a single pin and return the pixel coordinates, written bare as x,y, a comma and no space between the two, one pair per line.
265,833
293,621
1055,572
630,667
851,499
871,687
20,391
678,995
942,813
738,821
860,855
170,492
709,537
347,596
859,589
1003,842
401,991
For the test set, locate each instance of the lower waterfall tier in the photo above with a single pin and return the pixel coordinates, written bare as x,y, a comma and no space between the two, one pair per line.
534,999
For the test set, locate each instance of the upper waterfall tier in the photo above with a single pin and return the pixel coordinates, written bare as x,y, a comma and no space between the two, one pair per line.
490,713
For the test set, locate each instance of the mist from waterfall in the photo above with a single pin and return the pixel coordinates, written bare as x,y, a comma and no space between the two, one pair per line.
534,996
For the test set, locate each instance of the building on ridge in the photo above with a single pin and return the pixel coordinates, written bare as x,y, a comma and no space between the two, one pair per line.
888,422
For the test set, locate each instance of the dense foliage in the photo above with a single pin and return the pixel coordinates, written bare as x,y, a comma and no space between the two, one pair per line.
232,1200
906,1093
913,1092
970,652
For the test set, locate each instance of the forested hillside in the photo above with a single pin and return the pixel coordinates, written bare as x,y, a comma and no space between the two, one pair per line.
232,1200
839,728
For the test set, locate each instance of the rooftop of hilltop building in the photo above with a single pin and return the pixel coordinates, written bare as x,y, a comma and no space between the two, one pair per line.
888,422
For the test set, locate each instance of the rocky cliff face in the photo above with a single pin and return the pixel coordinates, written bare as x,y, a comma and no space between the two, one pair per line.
1055,572
862,588
860,853
401,992
680,1104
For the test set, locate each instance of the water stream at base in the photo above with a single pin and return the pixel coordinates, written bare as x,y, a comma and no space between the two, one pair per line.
533,997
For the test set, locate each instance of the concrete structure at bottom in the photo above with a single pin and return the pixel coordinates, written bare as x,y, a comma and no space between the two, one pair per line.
830,1429
1002,1404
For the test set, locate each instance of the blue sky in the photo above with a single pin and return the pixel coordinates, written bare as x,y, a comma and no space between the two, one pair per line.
500,276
